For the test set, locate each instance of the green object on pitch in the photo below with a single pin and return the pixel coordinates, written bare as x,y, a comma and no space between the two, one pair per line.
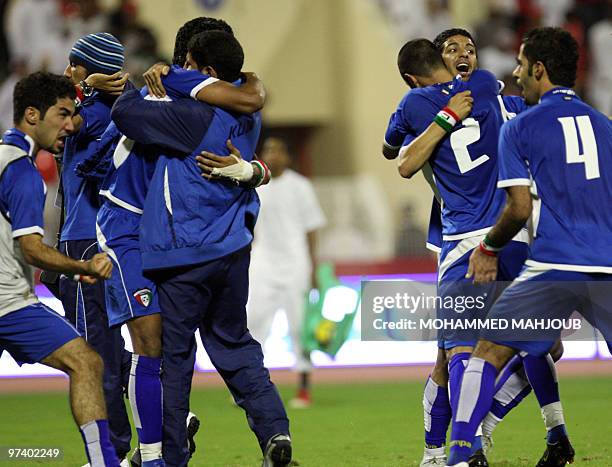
319,333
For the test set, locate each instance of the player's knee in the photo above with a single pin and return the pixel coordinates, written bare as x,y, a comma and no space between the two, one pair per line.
440,371
95,365
88,363
457,350
145,332
441,360
557,351
497,355
147,345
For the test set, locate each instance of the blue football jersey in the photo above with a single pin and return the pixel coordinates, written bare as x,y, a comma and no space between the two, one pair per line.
133,165
510,107
22,189
464,165
188,219
563,147
81,200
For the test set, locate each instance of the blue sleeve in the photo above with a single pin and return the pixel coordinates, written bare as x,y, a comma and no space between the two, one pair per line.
96,118
514,104
96,166
185,83
513,167
412,117
397,127
409,138
395,131
23,190
483,83
418,113
177,125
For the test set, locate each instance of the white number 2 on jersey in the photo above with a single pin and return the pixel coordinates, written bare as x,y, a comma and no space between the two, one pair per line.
461,139
589,146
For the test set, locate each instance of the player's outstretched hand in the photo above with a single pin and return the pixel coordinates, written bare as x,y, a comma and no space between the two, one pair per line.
153,78
109,84
461,103
233,166
482,268
99,267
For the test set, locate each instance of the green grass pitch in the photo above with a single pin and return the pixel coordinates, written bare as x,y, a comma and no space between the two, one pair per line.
355,424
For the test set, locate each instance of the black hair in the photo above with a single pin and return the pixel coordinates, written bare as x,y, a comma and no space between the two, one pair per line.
444,36
190,29
219,50
418,57
40,90
558,52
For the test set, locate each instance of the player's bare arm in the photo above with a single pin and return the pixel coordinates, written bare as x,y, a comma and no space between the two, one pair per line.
36,253
418,152
483,261
247,98
216,167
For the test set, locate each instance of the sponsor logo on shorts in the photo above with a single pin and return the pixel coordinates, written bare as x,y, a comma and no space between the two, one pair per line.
143,296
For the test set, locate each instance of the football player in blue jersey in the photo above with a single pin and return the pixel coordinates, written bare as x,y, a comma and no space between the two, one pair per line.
195,241
132,298
459,53
94,67
31,332
464,178
557,146
470,201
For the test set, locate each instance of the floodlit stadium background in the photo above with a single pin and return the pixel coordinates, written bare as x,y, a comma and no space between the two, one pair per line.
329,69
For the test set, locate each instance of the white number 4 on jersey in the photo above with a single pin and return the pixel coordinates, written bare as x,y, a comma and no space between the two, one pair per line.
589,146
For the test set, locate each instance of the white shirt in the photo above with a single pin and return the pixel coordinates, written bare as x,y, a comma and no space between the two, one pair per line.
16,275
289,211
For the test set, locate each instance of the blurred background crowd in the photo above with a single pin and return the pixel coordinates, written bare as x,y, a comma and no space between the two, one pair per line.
329,68
499,25
38,34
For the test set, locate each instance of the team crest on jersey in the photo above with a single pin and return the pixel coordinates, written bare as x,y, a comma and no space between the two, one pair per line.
143,296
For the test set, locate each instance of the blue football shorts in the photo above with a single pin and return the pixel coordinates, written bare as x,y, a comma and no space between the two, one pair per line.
128,293
554,294
461,299
34,332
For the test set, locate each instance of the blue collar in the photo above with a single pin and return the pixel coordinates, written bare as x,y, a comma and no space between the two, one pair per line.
559,92
18,138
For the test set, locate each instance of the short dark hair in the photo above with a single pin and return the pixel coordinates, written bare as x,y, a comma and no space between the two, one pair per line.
220,50
557,50
444,35
190,29
40,90
418,57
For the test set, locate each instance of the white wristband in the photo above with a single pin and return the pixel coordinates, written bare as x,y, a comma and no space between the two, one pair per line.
241,171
